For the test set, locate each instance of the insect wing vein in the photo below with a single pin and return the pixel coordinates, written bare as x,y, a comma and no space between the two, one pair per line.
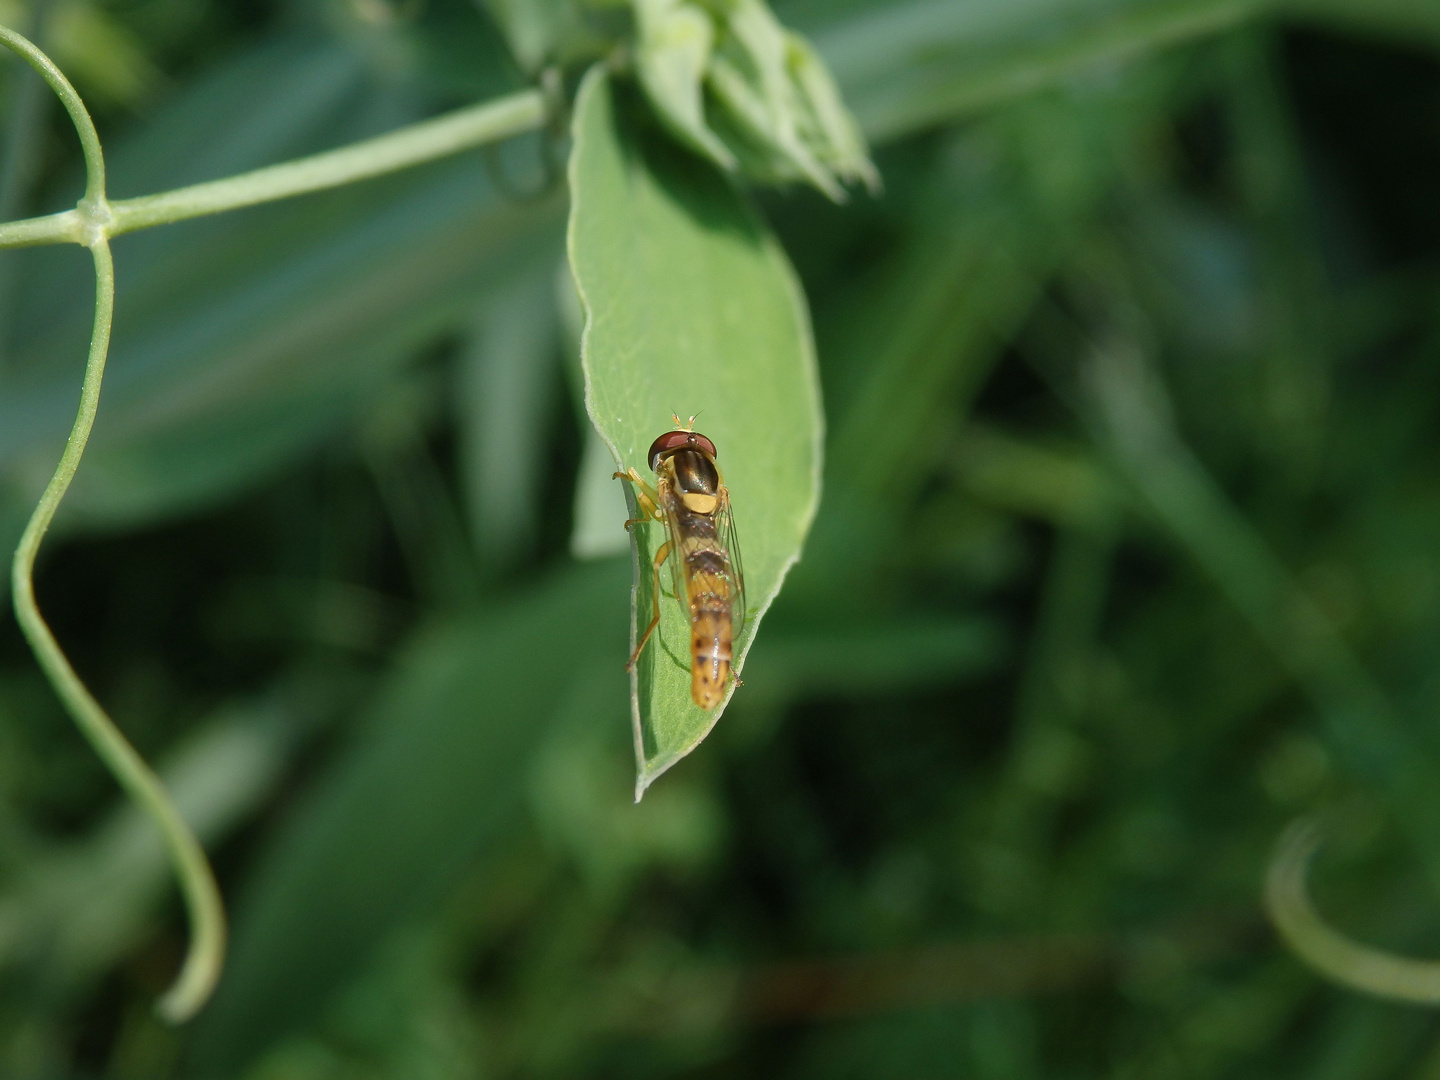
670,503
730,539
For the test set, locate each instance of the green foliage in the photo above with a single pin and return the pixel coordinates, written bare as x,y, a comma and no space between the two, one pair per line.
373,850
691,307
723,76
1126,554
736,86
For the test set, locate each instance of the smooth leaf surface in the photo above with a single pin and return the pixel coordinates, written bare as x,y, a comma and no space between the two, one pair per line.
691,307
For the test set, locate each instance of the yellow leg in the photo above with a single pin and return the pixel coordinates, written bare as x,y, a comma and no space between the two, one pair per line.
660,557
646,496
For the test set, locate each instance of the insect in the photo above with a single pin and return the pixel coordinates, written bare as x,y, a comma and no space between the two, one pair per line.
690,499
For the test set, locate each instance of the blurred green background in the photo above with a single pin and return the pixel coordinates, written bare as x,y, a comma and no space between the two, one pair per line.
1129,553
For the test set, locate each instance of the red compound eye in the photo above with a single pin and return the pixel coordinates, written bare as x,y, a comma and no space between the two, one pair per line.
672,441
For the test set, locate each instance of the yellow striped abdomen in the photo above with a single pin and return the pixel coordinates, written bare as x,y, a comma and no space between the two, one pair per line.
694,502
711,631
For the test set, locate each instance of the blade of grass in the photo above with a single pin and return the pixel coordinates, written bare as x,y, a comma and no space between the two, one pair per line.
437,770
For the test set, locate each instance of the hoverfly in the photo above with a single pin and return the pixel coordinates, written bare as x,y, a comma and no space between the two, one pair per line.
690,498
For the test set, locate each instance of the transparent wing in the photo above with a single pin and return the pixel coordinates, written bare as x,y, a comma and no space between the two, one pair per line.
725,522
677,546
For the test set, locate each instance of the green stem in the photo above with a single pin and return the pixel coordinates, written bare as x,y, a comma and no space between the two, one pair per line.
1325,949
79,116
25,115
197,883
463,129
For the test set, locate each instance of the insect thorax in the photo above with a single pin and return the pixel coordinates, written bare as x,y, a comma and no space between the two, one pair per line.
695,474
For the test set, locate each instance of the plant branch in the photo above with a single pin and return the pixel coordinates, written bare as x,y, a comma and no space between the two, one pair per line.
1337,957
79,115
92,219
464,129
24,132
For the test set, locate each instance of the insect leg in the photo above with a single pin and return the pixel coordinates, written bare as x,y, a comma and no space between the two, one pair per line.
660,557
646,496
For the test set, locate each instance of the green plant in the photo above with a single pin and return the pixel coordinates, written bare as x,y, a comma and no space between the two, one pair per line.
1020,426
788,117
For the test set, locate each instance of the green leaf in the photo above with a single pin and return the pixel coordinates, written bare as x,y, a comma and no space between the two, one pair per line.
830,124
507,376
436,775
751,76
906,65
544,32
883,654
674,48
691,307
728,80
